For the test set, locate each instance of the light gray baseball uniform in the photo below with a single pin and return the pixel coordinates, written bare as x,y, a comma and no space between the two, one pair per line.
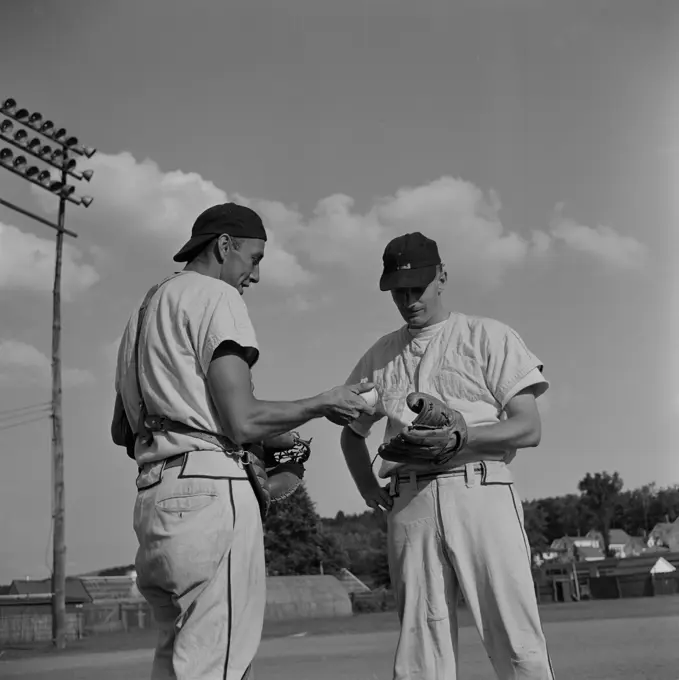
200,562
461,528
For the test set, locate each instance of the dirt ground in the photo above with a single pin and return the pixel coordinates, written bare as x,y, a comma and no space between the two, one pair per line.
613,640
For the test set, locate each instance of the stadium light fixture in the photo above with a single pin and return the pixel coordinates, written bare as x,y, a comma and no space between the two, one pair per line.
34,120
8,106
58,154
65,192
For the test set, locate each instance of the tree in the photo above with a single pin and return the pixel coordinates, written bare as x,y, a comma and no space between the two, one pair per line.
535,525
295,542
600,493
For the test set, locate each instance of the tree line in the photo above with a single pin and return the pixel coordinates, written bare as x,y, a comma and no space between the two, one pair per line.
298,541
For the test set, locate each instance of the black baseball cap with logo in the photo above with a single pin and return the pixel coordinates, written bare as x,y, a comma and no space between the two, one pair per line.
226,218
409,261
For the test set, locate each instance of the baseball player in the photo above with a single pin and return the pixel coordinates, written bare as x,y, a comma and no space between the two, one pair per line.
184,388
455,521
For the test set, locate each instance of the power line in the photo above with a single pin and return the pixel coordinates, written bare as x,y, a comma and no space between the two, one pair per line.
9,412
34,419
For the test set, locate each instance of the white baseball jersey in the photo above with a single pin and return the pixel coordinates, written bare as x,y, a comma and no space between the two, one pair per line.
187,319
473,364
200,559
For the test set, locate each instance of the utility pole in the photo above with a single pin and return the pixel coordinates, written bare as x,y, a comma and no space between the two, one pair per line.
59,509
60,159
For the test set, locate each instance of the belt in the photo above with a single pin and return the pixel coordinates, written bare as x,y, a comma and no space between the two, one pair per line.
425,476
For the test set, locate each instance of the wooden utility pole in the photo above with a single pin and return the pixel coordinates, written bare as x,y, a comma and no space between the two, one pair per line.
58,509
62,160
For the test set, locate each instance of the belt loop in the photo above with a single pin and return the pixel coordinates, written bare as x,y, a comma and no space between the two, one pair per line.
469,475
413,481
393,485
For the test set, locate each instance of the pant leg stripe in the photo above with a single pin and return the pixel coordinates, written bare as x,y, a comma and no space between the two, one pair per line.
229,603
530,566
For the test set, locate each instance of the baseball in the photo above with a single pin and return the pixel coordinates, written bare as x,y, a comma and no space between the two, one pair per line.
370,397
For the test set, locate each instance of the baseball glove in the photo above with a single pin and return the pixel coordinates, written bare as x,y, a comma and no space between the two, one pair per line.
434,437
275,467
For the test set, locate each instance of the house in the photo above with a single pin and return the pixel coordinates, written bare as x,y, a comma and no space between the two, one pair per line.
39,591
112,588
621,543
351,583
26,611
576,549
665,535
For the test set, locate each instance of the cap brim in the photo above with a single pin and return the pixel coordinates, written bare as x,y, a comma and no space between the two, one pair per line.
408,278
191,246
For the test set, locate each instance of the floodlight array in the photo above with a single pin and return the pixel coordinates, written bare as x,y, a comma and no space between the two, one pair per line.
55,153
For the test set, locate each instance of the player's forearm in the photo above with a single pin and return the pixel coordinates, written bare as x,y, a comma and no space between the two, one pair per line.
513,433
264,419
357,457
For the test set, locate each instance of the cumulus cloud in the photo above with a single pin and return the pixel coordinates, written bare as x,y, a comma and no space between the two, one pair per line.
458,215
22,364
142,211
27,263
137,204
602,243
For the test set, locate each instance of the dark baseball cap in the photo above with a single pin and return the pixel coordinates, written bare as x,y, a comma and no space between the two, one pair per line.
409,261
226,218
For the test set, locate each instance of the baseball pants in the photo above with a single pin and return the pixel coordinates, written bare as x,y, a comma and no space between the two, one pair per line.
200,565
457,533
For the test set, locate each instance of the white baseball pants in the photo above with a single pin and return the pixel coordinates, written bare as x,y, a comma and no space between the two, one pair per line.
462,532
200,565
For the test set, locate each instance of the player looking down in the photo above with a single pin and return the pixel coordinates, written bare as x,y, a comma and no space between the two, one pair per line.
459,395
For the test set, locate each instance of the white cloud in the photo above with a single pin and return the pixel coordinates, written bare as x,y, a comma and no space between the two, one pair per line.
141,211
23,364
137,204
602,242
27,263
471,238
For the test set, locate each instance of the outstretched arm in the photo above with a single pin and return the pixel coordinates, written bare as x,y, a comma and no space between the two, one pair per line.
246,419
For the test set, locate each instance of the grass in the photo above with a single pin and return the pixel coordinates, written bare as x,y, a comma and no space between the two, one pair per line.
365,623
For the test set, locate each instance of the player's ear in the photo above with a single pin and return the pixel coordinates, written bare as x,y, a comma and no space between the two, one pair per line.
222,245
442,279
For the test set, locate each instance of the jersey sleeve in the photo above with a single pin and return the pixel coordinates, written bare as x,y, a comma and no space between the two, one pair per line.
362,426
226,320
509,365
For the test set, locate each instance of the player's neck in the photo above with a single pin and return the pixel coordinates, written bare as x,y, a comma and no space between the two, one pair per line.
204,267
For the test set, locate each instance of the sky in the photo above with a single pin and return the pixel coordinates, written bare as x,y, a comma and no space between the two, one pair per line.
535,141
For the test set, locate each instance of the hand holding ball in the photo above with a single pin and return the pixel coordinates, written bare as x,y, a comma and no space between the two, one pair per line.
370,397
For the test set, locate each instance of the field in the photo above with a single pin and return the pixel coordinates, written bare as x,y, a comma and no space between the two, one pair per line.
598,640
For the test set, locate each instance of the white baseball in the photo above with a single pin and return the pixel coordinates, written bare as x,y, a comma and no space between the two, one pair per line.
370,397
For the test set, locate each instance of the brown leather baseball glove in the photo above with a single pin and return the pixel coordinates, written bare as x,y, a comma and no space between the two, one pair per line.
434,437
275,467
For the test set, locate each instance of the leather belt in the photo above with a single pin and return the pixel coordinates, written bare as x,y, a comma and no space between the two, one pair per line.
427,476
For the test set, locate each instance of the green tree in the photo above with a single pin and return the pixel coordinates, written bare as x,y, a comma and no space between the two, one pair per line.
295,542
600,492
535,524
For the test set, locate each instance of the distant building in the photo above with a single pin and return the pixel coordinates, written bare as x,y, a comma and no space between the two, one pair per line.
665,535
576,549
351,583
42,590
621,543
